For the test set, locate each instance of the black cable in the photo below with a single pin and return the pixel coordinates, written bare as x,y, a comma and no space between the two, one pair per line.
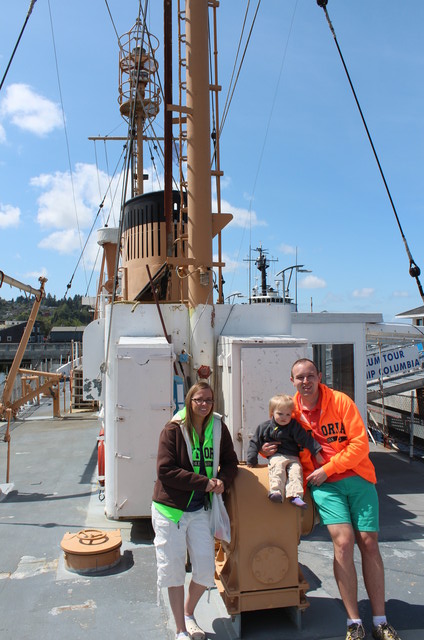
69,285
414,270
31,6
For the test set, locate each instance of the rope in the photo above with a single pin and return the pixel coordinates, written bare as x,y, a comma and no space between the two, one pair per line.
31,6
106,223
66,139
69,285
414,270
235,60
261,155
228,104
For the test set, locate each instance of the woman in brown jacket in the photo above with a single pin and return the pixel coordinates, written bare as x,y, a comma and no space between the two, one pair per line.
196,458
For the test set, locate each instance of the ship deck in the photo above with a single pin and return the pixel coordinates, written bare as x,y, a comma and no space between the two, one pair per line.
54,490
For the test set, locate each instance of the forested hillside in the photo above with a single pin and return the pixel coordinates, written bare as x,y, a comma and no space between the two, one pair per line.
63,312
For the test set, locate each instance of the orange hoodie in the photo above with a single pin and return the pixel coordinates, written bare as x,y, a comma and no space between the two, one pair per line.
342,426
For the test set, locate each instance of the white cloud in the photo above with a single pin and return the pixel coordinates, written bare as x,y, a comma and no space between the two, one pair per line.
2,134
30,111
155,181
400,294
366,292
225,182
9,216
241,217
70,204
311,282
64,242
287,249
230,264
42,273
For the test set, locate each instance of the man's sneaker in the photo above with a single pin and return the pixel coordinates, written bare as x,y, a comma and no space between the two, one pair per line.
275,496
355,631
384,631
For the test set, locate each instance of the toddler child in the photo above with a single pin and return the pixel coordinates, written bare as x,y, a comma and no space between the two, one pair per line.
285,470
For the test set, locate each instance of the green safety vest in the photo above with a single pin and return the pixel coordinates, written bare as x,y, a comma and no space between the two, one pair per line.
173,513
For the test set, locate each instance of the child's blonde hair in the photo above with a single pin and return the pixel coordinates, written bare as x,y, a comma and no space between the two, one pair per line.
280,400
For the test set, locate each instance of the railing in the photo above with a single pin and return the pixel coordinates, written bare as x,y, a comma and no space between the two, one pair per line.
36,351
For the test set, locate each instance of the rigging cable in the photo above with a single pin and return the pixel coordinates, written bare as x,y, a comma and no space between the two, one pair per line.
142,13
97,172
230,97
94,222
236,58
126,176
261,155
112,199
414,270
106,223
67,142
113,24
152,160
31,6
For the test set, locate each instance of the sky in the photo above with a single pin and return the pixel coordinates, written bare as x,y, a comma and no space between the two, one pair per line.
300,177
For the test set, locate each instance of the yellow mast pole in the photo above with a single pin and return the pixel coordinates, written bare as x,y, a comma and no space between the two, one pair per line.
198,154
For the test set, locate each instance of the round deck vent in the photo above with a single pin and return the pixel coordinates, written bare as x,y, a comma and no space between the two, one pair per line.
91,550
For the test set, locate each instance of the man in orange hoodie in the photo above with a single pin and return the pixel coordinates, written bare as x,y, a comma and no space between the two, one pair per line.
343,489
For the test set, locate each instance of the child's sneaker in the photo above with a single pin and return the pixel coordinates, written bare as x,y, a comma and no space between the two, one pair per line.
275,496
182,635
298,502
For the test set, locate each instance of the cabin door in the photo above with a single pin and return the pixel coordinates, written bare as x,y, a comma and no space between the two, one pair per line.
144,405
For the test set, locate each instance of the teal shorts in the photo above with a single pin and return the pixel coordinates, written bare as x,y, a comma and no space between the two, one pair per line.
352,500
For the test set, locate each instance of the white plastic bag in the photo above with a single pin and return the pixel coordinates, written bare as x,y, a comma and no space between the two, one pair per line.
220,522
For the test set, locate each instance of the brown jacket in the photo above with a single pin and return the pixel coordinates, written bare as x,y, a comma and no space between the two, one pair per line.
176,479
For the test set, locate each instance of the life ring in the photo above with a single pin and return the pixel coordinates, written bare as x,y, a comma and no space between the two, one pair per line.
101,457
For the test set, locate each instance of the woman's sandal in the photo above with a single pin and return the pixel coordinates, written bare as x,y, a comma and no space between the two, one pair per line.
195,632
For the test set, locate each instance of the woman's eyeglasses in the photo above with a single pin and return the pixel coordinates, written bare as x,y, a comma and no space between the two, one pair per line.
202,401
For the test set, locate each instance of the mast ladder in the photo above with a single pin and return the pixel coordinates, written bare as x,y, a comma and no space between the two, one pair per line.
181,120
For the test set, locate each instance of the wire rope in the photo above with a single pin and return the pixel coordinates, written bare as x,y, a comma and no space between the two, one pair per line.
262,152
66,139
93,225
31,6
97,171
414,270
228,104
127,170
236,58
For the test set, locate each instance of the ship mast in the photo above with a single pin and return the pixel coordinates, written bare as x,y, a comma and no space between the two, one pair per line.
198,155
167,237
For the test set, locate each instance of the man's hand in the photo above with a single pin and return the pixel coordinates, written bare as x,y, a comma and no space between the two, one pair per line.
317,477
268,449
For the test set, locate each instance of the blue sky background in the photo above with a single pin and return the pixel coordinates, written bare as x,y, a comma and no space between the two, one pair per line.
299,171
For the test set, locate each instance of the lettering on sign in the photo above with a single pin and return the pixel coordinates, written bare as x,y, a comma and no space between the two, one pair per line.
394,361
